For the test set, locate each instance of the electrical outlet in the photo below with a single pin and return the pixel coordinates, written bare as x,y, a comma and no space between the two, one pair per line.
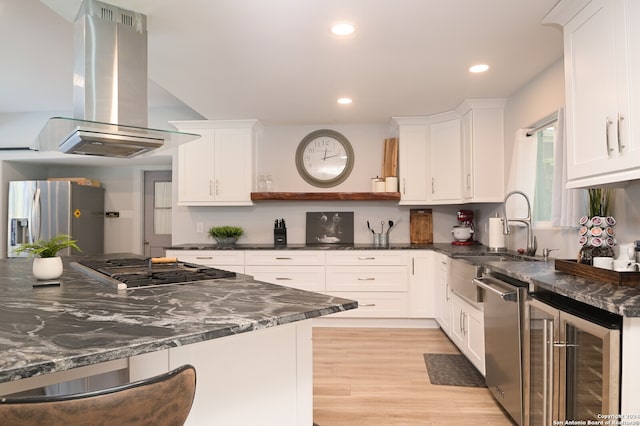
199,227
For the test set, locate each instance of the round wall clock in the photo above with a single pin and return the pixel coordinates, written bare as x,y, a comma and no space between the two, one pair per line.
324,158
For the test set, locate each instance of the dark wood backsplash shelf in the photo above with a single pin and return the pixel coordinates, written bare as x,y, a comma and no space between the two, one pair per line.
325,196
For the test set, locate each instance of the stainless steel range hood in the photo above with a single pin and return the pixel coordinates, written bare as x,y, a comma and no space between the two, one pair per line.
109,89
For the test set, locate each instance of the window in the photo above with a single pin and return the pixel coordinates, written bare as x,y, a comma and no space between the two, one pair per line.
544,176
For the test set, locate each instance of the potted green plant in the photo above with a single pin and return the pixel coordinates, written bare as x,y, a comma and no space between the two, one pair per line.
226,235
47,265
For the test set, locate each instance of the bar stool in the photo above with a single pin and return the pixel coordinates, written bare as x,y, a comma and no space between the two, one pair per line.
163,400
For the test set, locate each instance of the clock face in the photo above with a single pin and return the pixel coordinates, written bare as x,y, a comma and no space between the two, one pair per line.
324,158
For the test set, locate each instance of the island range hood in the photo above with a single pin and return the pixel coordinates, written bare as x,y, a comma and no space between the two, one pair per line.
109,89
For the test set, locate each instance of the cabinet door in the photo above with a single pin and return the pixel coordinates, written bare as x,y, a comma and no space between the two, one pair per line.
482,137
195,169
413,146
233,164
591,88
421,285
466,136
458,323
475,337
446,164
442,298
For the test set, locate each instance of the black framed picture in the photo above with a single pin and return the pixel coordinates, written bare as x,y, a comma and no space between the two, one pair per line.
329,227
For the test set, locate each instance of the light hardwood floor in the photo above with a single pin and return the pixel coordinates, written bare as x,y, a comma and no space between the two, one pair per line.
378,377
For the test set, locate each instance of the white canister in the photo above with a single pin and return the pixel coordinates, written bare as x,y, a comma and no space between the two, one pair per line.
391,184
380,186
375,184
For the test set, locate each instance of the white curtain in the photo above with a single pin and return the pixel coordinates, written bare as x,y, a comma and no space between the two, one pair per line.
567,205
522,175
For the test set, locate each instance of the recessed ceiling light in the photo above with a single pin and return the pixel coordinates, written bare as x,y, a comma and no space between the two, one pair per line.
343,29
344,101
479,68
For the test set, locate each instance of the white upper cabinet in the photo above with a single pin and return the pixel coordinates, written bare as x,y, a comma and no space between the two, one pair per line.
413,155
602,76
217,169
445,161
453,157
482,134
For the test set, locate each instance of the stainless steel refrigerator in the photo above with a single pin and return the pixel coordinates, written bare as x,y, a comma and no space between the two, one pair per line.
40,209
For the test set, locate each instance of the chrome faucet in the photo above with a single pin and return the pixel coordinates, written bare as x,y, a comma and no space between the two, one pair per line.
532,244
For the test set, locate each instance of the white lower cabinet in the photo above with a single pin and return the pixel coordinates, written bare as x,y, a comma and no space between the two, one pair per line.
378,280
442,294
421,284
386,283
228,260
301,269
467,331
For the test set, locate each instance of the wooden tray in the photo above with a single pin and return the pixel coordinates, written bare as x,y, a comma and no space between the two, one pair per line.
599,274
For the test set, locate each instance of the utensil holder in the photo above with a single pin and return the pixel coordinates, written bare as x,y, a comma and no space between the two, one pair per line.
380,240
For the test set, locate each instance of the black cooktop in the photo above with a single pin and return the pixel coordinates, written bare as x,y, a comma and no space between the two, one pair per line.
137,272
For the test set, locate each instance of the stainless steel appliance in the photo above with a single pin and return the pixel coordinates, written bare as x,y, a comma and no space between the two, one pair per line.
572,360
124,273
40,209
503,300
110,89
463,233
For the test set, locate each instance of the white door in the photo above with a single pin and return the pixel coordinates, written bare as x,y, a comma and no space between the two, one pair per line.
157,212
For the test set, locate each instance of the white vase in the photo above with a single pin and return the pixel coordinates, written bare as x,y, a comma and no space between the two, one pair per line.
47,268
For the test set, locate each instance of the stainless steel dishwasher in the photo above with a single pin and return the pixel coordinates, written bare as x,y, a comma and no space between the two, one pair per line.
503,300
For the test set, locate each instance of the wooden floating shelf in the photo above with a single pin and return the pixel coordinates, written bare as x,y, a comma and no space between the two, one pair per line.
325,196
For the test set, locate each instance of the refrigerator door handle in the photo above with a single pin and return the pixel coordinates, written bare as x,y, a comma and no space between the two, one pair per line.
36,217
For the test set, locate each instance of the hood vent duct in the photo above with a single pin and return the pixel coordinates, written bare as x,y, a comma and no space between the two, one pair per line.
109,89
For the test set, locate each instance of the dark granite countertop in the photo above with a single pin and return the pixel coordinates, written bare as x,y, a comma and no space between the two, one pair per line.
621,300
84,322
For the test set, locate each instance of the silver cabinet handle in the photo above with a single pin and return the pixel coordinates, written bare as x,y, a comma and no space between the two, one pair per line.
620,146
368,305
366,279
217,187
413,266
433,185
606,130
210,187
284,279
446,292
204,257
366,258
404,186
283,258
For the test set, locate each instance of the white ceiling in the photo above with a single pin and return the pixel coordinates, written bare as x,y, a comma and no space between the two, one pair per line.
276,60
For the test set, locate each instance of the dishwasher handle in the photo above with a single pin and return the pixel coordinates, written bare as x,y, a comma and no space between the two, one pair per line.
509,296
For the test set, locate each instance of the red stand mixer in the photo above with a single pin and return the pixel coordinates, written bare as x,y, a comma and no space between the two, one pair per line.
463,233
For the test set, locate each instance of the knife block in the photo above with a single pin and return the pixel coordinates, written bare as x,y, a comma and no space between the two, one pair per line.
280,237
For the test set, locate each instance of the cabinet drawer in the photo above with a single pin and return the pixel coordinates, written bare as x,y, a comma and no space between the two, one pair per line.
375,305
280,257
209,257
309,278
367,278
367,257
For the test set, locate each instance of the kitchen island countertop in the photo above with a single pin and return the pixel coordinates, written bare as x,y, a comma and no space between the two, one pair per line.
84,322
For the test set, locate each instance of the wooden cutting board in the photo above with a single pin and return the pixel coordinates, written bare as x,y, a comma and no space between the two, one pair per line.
390,158
421,226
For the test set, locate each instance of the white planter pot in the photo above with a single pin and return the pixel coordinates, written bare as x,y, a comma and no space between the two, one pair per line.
47,268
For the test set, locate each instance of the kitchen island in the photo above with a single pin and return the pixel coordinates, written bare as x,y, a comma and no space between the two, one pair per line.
249,341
